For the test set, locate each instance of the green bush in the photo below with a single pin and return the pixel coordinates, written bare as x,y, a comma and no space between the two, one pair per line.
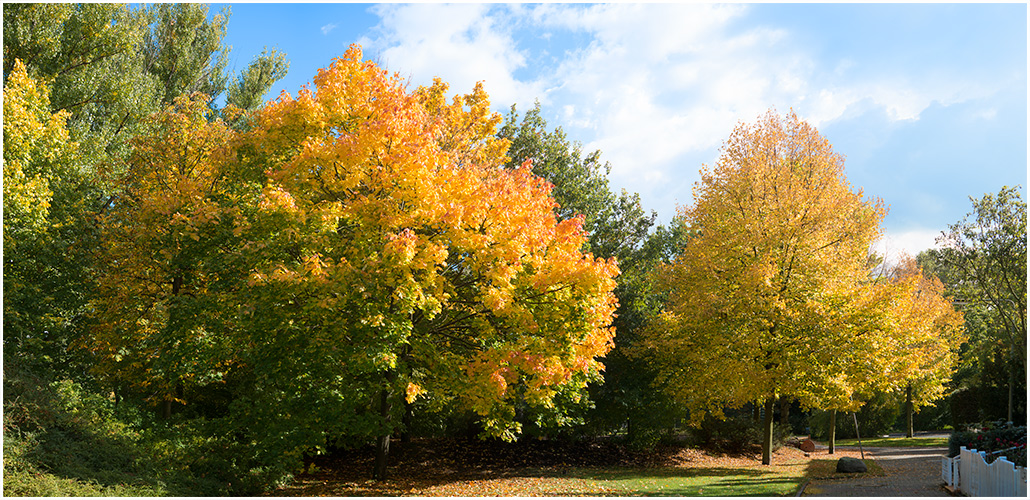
876,417
1008,440
63,440
980,403
735,434
60,440
930,417
23,483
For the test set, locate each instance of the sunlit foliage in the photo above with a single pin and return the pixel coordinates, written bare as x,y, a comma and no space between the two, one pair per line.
772,293
358,241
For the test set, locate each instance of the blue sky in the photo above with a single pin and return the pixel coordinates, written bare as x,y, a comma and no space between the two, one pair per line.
928,102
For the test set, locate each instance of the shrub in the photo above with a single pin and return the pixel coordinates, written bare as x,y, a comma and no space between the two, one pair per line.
977,404
930,417
61,440
1001,437
875,418
737,434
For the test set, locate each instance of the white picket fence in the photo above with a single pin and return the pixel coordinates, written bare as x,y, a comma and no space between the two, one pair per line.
973,476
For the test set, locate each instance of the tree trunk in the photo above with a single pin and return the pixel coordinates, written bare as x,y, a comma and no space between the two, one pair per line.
1012,382
406,422
166,409
833,430
767,429
908,411
383,445
631,429
471,429
854,417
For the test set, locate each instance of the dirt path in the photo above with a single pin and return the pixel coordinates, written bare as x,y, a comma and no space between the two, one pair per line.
911,472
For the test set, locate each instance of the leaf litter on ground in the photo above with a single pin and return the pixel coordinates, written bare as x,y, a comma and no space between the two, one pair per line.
530,467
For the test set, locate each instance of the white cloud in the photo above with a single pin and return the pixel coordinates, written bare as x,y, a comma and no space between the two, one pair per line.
665,80
653,84
461,43
910,242
328,28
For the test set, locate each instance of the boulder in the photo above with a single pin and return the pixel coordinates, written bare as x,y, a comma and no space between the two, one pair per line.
807,446
849,465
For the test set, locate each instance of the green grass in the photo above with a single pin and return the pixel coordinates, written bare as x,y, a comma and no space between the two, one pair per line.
757,480
826,468
723,482
896,442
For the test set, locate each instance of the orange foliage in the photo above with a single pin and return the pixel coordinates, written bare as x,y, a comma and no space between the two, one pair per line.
438,231
381,220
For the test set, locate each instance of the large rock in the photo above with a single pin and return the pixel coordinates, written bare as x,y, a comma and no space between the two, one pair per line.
807,446
848,465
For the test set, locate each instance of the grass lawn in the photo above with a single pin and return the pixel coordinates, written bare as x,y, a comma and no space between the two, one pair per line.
826,468
723,482
756,480
896,442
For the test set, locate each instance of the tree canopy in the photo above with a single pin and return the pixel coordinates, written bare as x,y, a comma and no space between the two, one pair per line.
263,281
982,261
100,71
370,232
43,221
772,294
988,254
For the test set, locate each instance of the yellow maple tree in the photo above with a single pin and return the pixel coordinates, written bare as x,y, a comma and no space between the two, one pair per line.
772,294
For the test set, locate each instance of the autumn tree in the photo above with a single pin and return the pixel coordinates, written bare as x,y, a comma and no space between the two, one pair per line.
103,69
931,331
617,226
164,305
80,81
771,294
457,279
44,179
385,254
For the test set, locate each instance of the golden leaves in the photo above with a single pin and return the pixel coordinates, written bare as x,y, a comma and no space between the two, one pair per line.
771,293
925,327
275,198
413,391
36,143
